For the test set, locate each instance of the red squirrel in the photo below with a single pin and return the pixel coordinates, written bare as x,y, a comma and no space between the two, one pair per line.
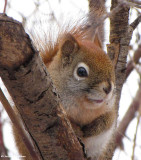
85,80
84,77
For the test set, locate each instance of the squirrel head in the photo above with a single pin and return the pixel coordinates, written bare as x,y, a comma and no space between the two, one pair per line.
82,69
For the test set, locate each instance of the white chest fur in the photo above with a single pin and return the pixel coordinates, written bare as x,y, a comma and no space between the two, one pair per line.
95,145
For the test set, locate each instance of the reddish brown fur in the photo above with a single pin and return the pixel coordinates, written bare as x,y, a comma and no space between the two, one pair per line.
76,43
52,48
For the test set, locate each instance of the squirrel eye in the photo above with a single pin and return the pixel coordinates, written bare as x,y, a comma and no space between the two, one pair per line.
81,71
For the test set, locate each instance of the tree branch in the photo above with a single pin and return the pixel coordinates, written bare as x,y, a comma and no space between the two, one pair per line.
3,149
135,135
136,22
119,44
130,114
135,1
17,124
29,84
118,48
5,5
136,57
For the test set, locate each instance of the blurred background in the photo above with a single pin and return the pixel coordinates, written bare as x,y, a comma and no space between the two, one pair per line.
46,14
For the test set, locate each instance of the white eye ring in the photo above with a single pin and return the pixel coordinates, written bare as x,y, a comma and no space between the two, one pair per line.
85,69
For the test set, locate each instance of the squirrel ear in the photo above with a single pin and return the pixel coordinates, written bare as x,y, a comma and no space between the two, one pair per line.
69,45
96,40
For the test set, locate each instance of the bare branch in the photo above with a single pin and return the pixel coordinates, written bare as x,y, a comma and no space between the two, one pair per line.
130,114
134,65
135,135
53,14
130,66
5,5
135,1
135,23
3,149
18,126
98,17
118,47
119,39
122,4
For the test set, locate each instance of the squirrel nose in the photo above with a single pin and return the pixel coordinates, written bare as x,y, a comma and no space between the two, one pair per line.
108,88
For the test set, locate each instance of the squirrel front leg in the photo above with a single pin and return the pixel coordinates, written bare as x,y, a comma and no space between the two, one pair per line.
101,127
101,131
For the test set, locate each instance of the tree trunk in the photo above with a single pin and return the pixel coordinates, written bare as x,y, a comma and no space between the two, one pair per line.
29,84
119,44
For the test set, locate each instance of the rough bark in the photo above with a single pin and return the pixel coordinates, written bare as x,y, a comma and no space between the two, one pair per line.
119,44
29,84
118,48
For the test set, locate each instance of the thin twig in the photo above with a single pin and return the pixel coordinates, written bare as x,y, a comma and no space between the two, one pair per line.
134,5
5,5
17,124
136,57
131,3
136,22
135,135
134,65
135,1
53,15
